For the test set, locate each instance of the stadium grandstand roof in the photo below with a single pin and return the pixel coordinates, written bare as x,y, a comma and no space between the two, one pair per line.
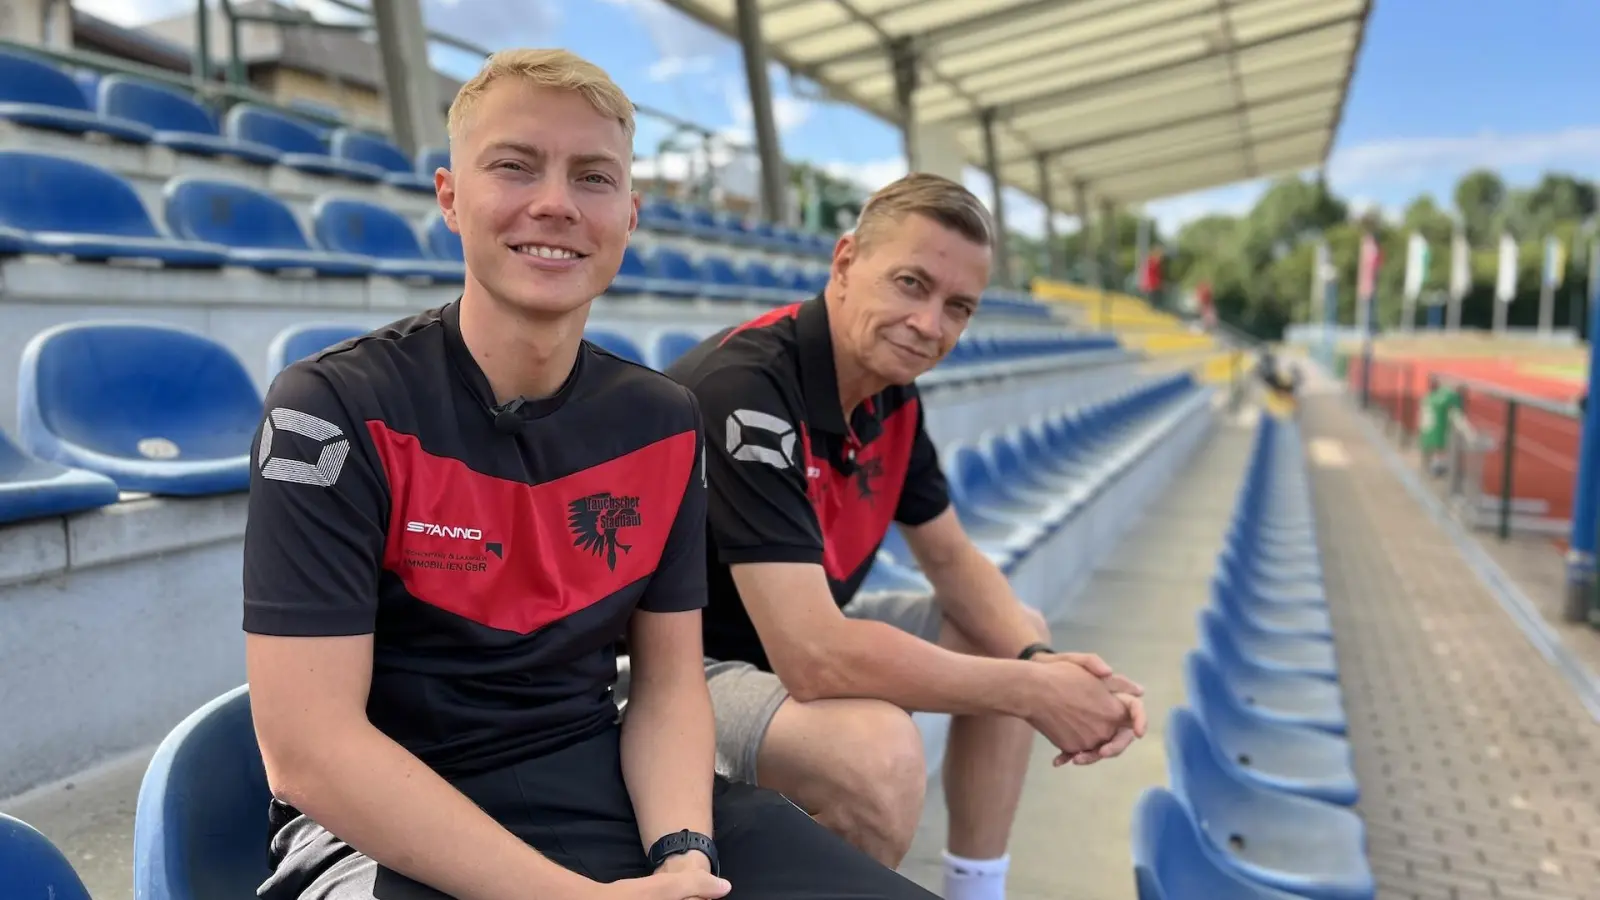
1140,99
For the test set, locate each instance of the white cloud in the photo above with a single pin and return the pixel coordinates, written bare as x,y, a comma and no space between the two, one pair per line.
1405,161
669,67
1172,213
128,13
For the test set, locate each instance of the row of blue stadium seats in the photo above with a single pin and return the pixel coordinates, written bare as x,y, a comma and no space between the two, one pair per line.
1013,490
37,93
1261,775
112,407
58,205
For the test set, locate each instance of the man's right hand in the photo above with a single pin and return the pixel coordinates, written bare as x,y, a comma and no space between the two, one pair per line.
1074,708
687,884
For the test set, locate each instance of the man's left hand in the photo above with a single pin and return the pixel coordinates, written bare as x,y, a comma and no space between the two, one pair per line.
1099,668
683,862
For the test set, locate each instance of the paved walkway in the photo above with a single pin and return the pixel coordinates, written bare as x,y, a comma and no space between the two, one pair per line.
1479,766
1072,835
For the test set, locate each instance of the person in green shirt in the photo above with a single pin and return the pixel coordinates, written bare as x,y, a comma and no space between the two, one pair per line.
1439,409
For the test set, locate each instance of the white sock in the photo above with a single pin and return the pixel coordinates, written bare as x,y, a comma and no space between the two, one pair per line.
975,879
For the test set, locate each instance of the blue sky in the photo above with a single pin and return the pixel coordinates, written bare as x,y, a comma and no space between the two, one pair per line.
1441,86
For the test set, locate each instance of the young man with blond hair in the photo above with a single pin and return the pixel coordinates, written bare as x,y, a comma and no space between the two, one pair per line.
453,520
816,447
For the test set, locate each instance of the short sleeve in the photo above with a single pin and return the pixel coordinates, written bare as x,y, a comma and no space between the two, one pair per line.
317,515
679,582
758,508
926,494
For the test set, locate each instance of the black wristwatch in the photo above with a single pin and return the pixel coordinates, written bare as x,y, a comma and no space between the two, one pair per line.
683,842
1029,651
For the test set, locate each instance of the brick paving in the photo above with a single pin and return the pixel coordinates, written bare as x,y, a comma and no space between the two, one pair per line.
1479,766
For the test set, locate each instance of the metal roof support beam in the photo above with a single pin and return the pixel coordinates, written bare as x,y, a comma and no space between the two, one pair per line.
1080,203
991,159
773,178
1108,242
411,88
903,58
1052,250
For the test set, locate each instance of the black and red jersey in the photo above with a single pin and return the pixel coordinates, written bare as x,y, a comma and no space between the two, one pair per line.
791,479
495,556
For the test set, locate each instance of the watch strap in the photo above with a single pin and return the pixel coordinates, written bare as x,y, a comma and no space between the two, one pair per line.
1029,651
669,845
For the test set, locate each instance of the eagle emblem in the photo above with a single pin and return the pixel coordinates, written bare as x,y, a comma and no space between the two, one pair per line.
595,520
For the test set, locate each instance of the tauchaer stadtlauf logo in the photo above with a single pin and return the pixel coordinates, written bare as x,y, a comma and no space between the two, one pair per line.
595,520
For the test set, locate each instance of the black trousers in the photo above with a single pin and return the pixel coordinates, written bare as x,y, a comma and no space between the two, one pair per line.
573,807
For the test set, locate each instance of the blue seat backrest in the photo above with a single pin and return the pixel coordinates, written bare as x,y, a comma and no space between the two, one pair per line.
248,122
107,386
670,263
300,342
432,159
673,344
370,149
230,213
442,242
201,826
356,226
974,474
158,106
33,868
632,263
616,343
40,192
1171,860
1008,462
717,269
26,79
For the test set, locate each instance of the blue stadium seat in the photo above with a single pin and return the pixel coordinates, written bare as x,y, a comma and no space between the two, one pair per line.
34,868
1294,619
1286,758
1272,695
67,206
1270,592
672,344
363,228
1276,652
258,229
442,242
200,825
672,274
431,160
300,341
156,408
632,276
1173,861
31,488
1296,844
35,93
661,214
298,143
176,119
616,343
719,280
370,149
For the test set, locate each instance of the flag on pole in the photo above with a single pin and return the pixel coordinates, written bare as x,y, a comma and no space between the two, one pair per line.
1555,261
1367,267
1417,256
1505,287
1460,265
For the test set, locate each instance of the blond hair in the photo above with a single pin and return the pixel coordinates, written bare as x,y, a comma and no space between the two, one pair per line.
550,68
934,196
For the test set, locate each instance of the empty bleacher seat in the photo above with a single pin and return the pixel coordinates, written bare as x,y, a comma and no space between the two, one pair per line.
1283,757
300,341
1173,861
670,345
1293,843
200,824
34,868
299,144
66,206
373,150
363,228
442,242
431,160
176,119
615,343
38,94
156,408
632,277
256,227
32,488
1269,694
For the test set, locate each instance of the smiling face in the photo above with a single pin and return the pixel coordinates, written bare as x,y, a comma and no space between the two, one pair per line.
906,296
540,194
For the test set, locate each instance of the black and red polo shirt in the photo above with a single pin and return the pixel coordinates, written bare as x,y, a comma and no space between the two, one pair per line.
495,557
791,477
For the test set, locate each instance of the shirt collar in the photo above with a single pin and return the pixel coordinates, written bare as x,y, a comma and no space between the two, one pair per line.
466,366
819,379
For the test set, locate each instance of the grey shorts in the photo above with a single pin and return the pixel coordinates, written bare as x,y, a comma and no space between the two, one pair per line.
745,698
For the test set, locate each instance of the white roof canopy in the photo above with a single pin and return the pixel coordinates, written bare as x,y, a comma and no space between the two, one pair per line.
1139,99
